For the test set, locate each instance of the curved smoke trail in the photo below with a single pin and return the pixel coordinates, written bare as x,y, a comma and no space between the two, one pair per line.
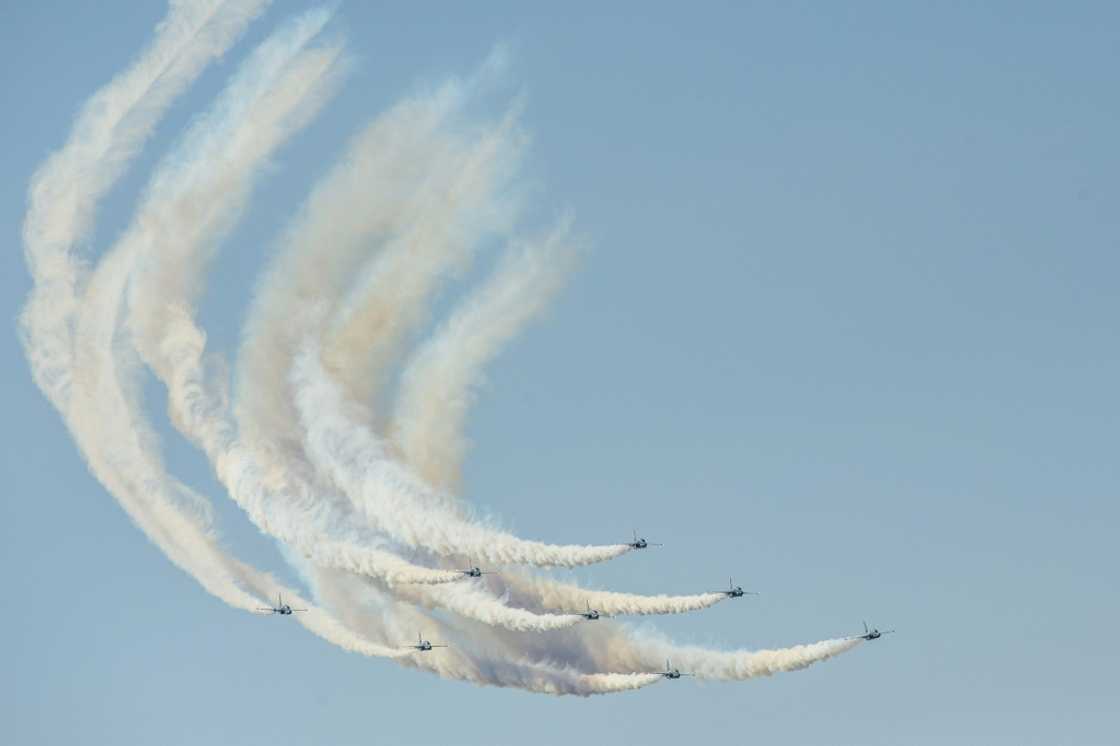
546,593
438,381
393,498
107,134
63,196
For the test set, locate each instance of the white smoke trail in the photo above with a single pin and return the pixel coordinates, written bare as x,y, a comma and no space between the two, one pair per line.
473,602
64,193
438,383
644,651
395,500
749,664
107,133
546,593
613,646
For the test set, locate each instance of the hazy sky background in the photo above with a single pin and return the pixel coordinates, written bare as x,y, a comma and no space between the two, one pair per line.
848,331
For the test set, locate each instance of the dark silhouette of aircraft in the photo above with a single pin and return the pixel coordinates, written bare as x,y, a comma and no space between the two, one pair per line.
474,572
870,634
736,591
591,614
280,608
423,645
640,543
672,673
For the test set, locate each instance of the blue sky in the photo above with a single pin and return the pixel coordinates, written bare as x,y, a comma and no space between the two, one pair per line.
847,330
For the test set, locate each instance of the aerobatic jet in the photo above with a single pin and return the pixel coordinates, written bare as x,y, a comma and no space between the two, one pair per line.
280,608
672,673
735,591
474,572
422,645
870,634
591,614
640,543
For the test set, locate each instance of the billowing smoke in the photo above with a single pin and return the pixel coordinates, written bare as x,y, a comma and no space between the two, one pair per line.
362,492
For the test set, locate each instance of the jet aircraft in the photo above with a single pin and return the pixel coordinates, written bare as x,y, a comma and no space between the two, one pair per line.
736,591
672,673
640,543
280,608
422,645
870,634
474,572
591,614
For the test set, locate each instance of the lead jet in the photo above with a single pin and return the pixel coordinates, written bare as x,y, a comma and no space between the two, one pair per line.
591,614
422,645
736,591
870,634
280,608
672,673
640,543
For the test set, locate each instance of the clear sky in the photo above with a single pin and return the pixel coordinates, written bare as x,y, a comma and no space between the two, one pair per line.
848,331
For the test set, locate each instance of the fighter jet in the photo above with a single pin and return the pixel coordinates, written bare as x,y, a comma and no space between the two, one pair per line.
735,591
422,645
870,634
591,614
640,543
672,673
280,608
474,572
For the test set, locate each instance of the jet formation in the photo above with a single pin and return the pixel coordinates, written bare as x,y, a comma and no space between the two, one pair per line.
474,571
